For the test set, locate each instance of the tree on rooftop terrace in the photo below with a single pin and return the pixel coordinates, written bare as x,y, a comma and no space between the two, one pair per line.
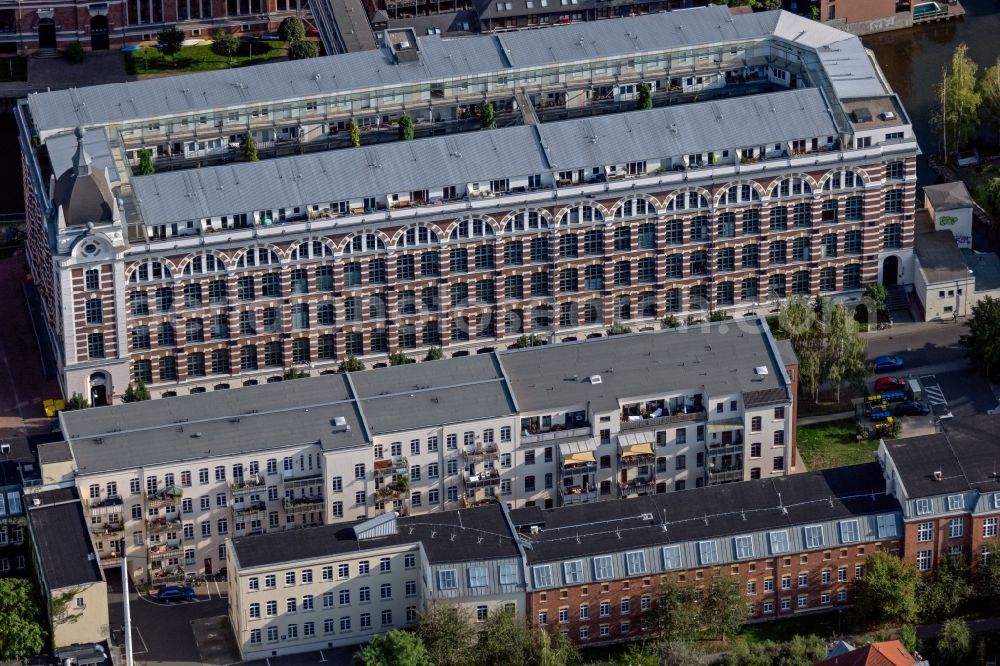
405,127
982,342
169,41
292,29
21,635
399,358
957,115
355,133
645,96
250,148
146,162
488,116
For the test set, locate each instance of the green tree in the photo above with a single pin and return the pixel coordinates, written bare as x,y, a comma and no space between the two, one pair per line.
250,148
877,295
954,641
76,401
355,134
224,43
434,354
487,116
395,648
448,635
618,328
351,364
982,342
991,192
801,651
957,115
146,167
726,605
987,579
405,127
21,634
292,29
908,637
136,393
170,41
946,589
75,53
720,315
989,93
505,640
676,614
301,49
295,373
887,593
742,653
670,321
645,99
528,341
639,654
398,358
553,649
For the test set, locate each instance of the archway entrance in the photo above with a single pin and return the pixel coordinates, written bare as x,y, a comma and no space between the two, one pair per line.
99,40
890,271
46,33
99,389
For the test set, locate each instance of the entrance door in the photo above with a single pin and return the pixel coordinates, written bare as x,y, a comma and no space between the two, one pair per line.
890,271
99,33
98,396
46,34
208,566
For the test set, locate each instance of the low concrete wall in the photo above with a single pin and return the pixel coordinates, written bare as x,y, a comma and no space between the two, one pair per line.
897,21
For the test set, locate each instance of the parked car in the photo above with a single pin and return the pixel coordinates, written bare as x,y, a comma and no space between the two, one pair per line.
889,384
883,363
880,414
912,408
893,396
175,593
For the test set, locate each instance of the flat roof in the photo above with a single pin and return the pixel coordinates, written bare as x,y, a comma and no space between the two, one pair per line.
948,196
844,58
62,539
462,535
938,253
719,356
985,266
965,453
703,513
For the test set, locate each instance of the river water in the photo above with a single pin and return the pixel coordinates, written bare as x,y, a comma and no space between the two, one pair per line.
913,59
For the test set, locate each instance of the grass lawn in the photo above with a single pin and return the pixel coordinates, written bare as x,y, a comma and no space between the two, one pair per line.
200,58
833,444
14,69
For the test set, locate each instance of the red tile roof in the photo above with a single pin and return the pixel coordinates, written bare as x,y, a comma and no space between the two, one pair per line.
888,653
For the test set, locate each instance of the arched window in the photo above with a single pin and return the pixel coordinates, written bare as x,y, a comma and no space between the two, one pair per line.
690,200
201,264
526,221
474,228
415,236
793,187
739,193
258,256
311,249
843,179
634,207
364,243
149,271
581,214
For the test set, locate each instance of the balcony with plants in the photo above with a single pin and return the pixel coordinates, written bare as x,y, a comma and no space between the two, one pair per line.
399,487
560,425
249,510
296,505
662,412
247,485
486,478
108,505
162,524
169,496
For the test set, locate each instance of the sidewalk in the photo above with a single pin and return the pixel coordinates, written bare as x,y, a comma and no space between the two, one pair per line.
824,418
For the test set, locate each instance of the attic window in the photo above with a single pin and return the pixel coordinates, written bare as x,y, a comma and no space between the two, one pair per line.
760,370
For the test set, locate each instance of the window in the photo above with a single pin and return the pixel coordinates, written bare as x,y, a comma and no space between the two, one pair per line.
955,528
886,526
635,562
446,579
707,552
744,547
542,575
813,536
672,557
925,532
779,541
923,507
849,531
956,502
604,568
478,576
508,574
924,560
95,345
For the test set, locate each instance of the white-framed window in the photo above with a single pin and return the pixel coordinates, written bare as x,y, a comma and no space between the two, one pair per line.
768,607
744,547
813,536
542,575
849,532
779,541
573,572
672,557
447,580
956,526
956,502
990,527
922,506
636,562
478,576
508,574
924,560
708,553
996,500
925,531
604,568
886,525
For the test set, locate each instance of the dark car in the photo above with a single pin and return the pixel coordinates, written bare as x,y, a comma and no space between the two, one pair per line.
912,408
889,384
175,593
883,363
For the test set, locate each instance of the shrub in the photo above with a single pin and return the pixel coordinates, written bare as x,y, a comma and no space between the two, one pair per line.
351,364
301,49
225,44
75,53
292,29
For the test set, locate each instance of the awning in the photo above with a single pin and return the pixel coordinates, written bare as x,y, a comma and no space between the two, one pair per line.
575,446
724,426
637,450
631,439
582,458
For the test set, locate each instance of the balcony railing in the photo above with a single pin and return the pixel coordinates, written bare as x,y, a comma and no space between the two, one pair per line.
530,438
249,509
304,504
491,496
106,506
636,460
158,525
107,529
734,448
637,487
579,468
389,466
680,417
482,480
247,485
725,475
578,494
303,481
110,558
166,497
163,551
482,453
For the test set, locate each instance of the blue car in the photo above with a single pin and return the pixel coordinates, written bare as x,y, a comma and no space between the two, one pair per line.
884,363
912,408
175,593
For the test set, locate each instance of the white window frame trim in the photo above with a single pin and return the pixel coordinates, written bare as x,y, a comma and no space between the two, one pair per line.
843,532
805,536
772,542
742,554
703,551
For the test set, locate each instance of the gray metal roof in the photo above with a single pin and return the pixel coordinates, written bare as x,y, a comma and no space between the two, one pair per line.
355,173
719,356
62,147
948,196
689,128
441,59
62,539
341,175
